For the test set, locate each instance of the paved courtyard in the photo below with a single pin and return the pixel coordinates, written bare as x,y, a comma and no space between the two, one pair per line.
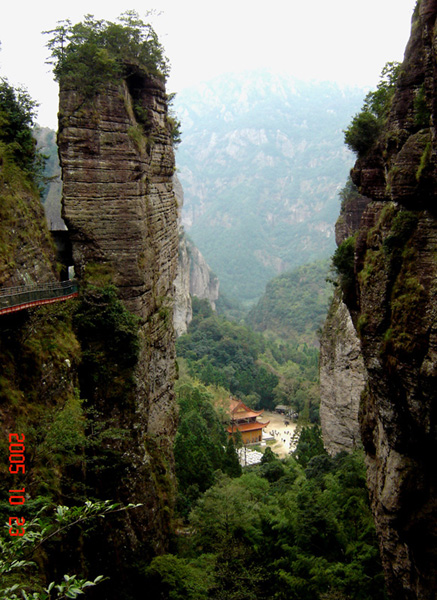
280,432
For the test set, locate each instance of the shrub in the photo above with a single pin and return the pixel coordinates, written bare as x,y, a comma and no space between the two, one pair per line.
17,114
362,132
343,262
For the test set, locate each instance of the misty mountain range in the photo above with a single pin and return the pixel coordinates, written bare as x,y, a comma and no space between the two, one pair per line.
262,160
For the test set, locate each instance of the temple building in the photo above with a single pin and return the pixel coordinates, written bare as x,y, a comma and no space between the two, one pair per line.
244,420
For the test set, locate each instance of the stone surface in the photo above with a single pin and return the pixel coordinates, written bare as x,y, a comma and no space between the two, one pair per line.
194,277
342,379
349,220
342,371
120,208
183,311
203,283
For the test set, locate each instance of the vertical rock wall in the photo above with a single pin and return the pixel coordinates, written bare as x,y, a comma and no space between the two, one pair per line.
342,379
120,208
194,277
393,305
342,371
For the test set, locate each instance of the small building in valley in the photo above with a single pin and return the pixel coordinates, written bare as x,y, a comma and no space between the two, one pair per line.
245,420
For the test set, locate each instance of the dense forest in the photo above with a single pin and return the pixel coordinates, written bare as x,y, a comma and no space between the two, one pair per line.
294,304
262,372
298,529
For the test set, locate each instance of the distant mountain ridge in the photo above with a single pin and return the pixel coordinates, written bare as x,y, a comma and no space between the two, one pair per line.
261,162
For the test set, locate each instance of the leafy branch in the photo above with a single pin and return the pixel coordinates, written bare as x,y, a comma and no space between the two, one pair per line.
16,552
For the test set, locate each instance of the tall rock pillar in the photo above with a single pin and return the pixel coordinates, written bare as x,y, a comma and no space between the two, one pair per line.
117,162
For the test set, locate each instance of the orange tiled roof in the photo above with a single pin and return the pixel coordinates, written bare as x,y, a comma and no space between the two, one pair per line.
247,426
239,410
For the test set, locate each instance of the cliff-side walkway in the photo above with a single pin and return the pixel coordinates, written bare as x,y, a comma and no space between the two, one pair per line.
27,296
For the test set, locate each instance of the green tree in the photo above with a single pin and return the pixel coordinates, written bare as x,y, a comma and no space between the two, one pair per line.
224,353
362,132
176,578
17,116
310,444
230,510
231,464
366,125
343,262
199,444
305,534
94,52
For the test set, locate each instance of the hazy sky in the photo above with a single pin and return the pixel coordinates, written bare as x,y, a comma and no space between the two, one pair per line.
347,41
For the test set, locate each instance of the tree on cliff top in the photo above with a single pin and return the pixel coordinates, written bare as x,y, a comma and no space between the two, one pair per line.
91,53
366,125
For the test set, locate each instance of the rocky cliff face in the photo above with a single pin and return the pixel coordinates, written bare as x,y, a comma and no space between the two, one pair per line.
342,379
342,371
203,283
392,302
120,208
194,277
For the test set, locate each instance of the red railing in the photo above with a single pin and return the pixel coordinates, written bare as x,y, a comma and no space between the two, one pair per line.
27,296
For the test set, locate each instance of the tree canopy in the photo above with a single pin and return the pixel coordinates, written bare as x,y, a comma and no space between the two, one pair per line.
17,115
221,352
304,534
366,125
95,51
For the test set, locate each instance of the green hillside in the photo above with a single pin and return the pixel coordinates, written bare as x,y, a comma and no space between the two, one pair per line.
261,161
294,304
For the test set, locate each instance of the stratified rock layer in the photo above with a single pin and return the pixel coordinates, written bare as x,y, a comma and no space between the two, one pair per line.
120,209
393,307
